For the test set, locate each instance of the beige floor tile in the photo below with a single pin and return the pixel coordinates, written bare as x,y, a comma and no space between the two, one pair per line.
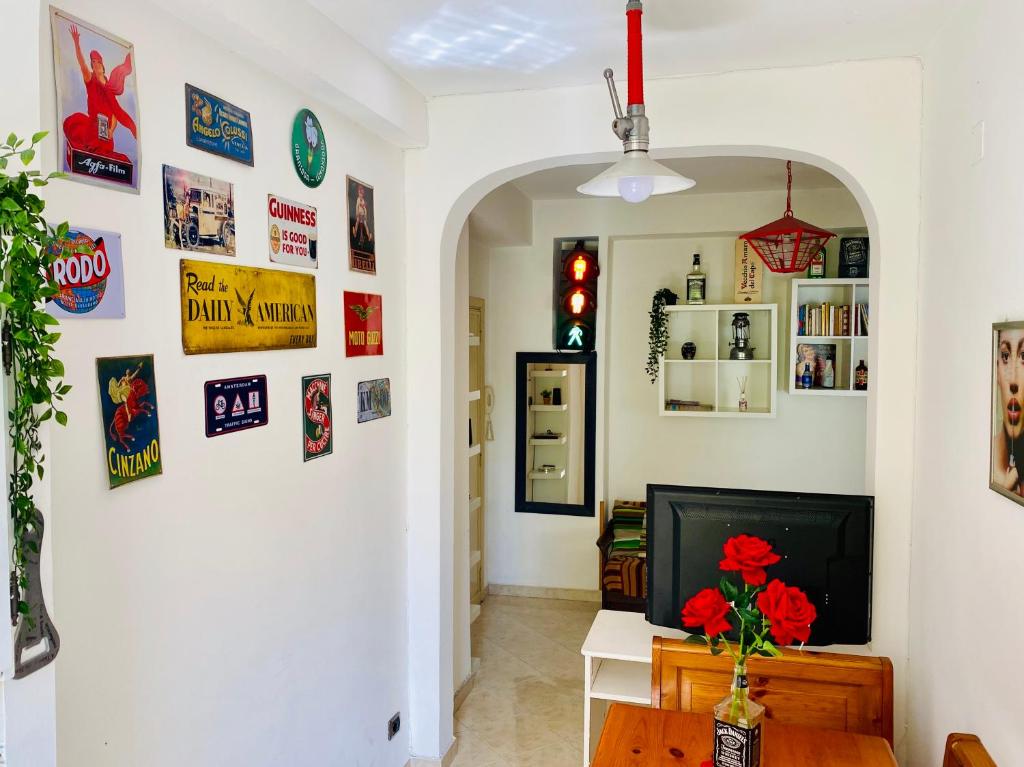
526,706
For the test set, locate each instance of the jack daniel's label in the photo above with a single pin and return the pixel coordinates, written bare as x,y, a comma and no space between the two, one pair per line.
737,746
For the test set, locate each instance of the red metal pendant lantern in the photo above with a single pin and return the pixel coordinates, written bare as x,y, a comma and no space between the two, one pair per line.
789,244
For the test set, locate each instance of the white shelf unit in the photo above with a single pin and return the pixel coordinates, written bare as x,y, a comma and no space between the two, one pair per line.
548,485
711,378
848,349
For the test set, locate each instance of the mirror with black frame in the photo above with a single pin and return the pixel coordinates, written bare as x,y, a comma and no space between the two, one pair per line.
556,407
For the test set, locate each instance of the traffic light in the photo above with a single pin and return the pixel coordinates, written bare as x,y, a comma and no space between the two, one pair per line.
576,271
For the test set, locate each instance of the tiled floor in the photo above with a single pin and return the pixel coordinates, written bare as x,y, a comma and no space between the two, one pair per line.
526,708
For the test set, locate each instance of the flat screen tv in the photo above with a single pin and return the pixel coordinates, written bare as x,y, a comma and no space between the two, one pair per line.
824,541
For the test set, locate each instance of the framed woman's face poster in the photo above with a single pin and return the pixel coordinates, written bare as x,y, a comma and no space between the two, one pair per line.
1007,460
97,104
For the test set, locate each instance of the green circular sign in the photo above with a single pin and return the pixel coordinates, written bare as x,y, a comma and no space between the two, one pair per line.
309,148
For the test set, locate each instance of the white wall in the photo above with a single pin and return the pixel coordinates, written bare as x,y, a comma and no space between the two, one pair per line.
244,607
479,142
966,617
644,248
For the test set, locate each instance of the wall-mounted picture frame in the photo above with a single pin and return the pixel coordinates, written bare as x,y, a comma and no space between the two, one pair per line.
217,126
1006,424
362,244
97,104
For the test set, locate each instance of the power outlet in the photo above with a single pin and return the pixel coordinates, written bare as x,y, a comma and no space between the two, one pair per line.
394,725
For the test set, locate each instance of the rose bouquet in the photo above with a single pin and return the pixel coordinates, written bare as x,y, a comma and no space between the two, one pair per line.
756,612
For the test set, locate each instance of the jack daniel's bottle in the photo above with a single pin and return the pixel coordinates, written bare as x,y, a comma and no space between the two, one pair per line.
696,283
738,726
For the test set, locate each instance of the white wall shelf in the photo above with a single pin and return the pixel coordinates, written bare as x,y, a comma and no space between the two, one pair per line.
549,408
549,373
846,350
712,379
557,473
540,442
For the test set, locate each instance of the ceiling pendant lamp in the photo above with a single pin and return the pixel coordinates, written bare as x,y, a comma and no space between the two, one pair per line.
789,244
636,176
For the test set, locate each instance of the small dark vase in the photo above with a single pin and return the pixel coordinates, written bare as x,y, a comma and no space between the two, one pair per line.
689,350
670,298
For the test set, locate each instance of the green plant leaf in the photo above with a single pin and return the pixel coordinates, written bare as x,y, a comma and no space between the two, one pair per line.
12,139
717,650
696,639
771,649
27,156
39,136
62,417
729,591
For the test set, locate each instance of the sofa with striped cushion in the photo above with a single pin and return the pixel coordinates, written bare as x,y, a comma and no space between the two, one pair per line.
623,546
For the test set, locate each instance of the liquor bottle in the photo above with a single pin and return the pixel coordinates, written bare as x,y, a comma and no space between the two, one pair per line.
828,378
807,380
738,726
696,282
816,269
860,378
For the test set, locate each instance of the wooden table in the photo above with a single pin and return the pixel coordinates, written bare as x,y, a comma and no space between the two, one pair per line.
645,737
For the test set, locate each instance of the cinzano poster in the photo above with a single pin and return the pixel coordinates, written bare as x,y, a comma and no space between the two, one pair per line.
226,308
97,103
131,426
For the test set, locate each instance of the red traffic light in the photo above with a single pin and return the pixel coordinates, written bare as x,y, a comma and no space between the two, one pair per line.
580,266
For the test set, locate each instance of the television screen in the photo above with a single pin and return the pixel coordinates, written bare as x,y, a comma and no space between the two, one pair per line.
824,541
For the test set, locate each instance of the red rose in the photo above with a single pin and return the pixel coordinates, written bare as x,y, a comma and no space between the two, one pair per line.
750,556
707,609
789,612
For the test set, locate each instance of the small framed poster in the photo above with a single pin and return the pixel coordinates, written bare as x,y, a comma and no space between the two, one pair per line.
854,256
317,427
131,425
362,243
217,126
236,404
374,400
748,274
292,230
364,324
816,355
89,271
97,103
1006,423
199,212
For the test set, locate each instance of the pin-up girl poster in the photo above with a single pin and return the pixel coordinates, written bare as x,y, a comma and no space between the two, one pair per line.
1007,423
97,103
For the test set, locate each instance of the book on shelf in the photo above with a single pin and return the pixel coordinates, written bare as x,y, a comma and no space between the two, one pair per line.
829,319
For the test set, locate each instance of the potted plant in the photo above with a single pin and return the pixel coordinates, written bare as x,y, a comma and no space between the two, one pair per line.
755,612
29,247
658,336
546,396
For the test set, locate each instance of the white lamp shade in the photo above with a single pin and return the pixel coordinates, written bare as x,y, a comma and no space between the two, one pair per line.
636,165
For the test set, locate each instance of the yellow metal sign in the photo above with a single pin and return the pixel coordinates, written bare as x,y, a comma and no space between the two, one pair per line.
226,308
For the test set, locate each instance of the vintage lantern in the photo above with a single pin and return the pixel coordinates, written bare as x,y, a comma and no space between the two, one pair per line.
789,244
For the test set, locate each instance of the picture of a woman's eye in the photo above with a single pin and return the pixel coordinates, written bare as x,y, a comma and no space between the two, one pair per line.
1004,356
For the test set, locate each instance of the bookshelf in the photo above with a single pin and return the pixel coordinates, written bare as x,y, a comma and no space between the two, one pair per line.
847,344
711,378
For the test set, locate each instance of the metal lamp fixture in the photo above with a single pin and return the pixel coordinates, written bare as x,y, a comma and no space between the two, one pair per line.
788,244
636,176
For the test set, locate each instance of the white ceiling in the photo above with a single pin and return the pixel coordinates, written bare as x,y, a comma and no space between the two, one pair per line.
466,46
712,174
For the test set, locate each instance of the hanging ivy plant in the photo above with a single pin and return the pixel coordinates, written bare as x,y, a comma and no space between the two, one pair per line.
658,336
28,340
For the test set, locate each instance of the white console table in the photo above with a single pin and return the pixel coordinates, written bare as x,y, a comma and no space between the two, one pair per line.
617,666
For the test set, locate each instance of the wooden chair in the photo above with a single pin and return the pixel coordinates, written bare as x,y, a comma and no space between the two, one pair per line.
835,692
963,750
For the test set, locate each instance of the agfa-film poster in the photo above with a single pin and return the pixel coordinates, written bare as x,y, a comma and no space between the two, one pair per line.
97,103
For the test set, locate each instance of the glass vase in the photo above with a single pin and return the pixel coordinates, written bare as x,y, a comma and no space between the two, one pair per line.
738,722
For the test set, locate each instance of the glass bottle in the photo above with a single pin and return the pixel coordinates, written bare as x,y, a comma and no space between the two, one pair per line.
828,378
816,268
738,725
806,380
696,283
860,378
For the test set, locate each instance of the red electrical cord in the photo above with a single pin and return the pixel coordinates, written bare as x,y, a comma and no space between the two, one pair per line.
635,55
